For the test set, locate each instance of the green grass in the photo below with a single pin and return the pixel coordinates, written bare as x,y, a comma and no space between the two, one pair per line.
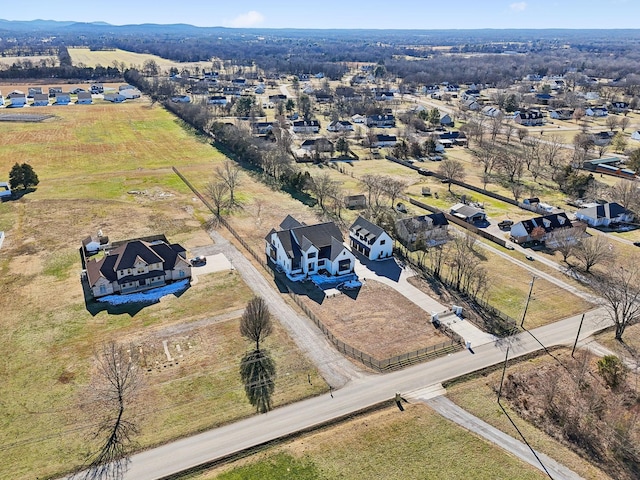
415,444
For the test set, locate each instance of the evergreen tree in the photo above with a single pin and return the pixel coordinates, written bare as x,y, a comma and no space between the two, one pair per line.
22,176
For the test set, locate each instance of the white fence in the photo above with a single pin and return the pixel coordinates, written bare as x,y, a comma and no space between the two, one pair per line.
1,238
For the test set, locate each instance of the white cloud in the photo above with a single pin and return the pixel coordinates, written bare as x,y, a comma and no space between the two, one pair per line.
246,20
518,6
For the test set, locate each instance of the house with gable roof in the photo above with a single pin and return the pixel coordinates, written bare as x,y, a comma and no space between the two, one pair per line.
540,228
137,265
429,230
370,240
602,215
302,250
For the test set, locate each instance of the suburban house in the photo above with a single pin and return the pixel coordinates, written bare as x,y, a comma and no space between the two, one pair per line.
602,138
561,114
381,121
97,88
619,107
636,135
423,231
232,91
469,103
370,240
539,228
33,91
355,201
18,99
358,118
261,128
84,98
490,111
340,126
181,99
529,118
40,100
125,87
130,93
317,145
446,120
468,213
383,95
381,140
596,112
602,215
302,126
137,265
280,97
62,99
54,90
217,100
114,97
302,250
323,97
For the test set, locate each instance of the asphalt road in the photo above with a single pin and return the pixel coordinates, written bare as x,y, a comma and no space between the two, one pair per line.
357,394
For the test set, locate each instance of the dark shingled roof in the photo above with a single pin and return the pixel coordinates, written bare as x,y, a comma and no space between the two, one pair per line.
362,225
608,210
548,222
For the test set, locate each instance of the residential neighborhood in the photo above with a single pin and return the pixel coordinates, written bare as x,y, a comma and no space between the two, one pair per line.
319,243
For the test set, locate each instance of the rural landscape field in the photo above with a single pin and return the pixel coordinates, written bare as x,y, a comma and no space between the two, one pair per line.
408,254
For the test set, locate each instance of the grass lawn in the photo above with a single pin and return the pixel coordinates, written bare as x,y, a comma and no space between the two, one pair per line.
478,396
417,443
109,167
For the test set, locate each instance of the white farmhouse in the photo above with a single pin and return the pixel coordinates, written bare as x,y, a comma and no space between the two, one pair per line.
370,240
302,250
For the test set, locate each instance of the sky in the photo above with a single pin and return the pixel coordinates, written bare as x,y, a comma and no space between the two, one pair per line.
377,14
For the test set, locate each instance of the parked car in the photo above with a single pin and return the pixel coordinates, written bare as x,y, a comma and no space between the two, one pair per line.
505,224
637,244
529,257
198,261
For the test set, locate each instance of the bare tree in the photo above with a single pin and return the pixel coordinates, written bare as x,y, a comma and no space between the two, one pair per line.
509,128
255,323
393,188
619,289
626,193
578,114
522,133
611,122
624,122
323,187
229,173
114,392
563,240
593,250
452,169
217,192
619,142
511,163
373,184
551,149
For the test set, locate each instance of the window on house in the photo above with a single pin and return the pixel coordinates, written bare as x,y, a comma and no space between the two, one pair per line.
312,266
311,255
382,242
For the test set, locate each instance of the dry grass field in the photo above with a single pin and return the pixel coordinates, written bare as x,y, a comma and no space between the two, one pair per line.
418,443
106,58
34,59
393,327
478,396
89,161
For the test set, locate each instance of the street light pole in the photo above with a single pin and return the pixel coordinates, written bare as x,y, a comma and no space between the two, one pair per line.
526,305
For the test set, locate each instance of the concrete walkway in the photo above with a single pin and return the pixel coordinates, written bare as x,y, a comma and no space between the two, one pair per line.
396,275
453,412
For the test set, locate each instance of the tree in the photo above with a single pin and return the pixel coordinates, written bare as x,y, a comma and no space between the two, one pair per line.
323,187
150,68
229,174
621,294
626,193
452,169
563,240
624,122
634,160
593,250
255,323
342,146
619,142
611,122
290,105
612,370
113,393
434,117
22,176
217,192
578,114
305,107
244,106
393,187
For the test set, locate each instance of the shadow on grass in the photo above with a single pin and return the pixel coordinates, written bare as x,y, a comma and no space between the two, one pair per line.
18,194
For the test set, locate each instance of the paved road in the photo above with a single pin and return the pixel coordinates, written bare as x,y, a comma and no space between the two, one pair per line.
451,411
360,393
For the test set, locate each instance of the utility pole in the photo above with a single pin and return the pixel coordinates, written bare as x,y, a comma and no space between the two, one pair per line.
578,335
526,305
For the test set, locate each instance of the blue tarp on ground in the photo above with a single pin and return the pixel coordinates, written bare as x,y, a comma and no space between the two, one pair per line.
148,296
